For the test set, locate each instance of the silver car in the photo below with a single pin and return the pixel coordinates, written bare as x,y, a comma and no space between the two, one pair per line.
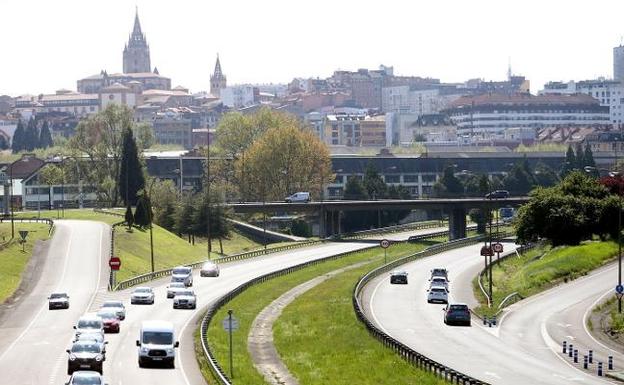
86,377
182,274
89,324
185,299
142,295
116,306
437,294
173,287
58,301
209,269
439,281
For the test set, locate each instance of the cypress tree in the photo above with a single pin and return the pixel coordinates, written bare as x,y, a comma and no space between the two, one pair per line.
17,143
31,136
45,136
580,156
143,212
129,217
589,156
131,179
4,144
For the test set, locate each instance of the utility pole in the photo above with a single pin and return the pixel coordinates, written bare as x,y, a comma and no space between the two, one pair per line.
208,191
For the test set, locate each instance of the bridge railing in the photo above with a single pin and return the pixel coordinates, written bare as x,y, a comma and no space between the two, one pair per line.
391,229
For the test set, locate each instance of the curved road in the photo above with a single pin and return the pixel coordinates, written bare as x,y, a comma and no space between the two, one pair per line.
33,340
516,353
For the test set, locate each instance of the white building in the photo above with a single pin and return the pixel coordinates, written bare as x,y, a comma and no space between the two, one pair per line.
408,100
77,104
119,94
240,96
618,63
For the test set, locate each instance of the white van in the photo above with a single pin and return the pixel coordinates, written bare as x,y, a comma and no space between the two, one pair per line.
157,343
298,197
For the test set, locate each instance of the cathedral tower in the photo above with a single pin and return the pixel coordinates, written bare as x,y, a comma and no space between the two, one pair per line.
218,80
136,56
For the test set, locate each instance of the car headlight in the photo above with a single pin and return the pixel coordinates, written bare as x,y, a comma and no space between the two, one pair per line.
72,357
144,350
170,351
99,358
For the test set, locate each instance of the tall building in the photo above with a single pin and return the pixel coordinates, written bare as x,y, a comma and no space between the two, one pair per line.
618,63
136,56
218,81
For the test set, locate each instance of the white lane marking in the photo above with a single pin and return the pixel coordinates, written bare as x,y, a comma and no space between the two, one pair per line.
180,355
99,274
372,309
589,309
492,374
44,306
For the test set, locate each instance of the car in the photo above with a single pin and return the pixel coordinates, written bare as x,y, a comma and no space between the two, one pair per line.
439,272
157,343
301,197
498,194
437,294
110,320
116,306
399,277
457,314
89,323
209,269
414,238
95,337
173,287
142,295
439,281
85,355
182,274
58,301
86,377
185,299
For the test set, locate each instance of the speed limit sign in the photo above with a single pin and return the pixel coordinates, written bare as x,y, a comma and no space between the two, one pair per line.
384,243
497,247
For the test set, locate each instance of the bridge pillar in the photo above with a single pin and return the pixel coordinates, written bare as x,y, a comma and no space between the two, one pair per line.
457,223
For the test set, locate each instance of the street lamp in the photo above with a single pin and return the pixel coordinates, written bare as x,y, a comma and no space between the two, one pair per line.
11,201
150,216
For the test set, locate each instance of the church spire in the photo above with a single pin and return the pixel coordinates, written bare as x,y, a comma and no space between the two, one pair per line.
217,70
136,56
218,80
136,31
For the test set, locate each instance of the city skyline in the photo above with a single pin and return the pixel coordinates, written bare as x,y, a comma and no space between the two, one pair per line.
277,42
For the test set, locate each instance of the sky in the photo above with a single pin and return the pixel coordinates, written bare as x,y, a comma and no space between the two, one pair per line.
48,45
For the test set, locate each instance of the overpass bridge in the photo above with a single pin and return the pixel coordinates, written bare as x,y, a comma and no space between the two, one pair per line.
330,211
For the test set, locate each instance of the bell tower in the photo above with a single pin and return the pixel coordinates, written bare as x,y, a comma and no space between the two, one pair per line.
218,81
136,55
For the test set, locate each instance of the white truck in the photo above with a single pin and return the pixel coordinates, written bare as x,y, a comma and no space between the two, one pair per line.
157,344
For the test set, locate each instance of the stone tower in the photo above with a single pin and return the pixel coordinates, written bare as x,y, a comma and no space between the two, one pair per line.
136,56
218,80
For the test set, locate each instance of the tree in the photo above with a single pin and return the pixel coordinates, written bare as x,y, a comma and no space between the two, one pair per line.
580,156
45,136
144,134
4,143
31,135
51,174
375,186
143,214
184,216
219,225
545,176
519,181
131,179
359,219
570,162
17,143
129,217
165,198
589,156
448,185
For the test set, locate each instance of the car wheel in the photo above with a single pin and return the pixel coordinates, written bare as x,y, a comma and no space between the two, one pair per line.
194,307
172,364
141,363
50,308
151,303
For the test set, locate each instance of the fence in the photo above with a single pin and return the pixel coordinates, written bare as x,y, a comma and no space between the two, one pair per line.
392,229
49,221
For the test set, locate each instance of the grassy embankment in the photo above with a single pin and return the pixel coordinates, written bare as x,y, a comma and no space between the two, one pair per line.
542,268
13,260
334,341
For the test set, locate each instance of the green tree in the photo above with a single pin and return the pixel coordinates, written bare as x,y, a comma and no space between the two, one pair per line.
580,156
300,228
449,185
184,216
4,143
219,225
131,177
589,156
31,135
518,181
17,144
165,198
545,176
570,162
144,134
129,217
375,186
45,136
143,214
51,174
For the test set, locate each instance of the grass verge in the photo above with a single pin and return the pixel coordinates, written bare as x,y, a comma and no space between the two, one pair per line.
247,306
542,268
13,260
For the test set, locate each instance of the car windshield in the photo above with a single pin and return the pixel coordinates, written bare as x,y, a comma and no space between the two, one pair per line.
176,285
142,290
86,379
107,314
85,348
442,280
185,292
91,336
58,295
89,324
458,308
181,270
209,264
158,338
438,290
112,304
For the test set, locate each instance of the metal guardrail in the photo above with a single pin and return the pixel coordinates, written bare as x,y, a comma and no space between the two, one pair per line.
214,366
392,229
510,296
407,353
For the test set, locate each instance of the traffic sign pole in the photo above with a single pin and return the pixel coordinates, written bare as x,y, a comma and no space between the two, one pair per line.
231,360
385,244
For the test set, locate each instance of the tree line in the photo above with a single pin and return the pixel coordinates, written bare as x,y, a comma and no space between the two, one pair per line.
30,137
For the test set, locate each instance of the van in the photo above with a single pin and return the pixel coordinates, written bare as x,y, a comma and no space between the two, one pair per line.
157,344
298,197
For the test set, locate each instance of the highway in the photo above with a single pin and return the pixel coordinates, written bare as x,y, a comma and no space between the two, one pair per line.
516,353
33,340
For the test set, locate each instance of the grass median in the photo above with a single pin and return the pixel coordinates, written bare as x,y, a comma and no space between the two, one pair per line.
542,268
13,260
247,306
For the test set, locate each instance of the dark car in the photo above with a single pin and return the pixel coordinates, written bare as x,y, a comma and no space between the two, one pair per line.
415,238
457,314
498,194
85,355
398,277
439,272
58,301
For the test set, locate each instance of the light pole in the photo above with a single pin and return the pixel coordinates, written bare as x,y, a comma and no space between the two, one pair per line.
11,203
150,216
208,191
619,297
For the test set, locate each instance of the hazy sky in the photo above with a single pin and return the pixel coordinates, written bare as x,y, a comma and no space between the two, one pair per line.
49,44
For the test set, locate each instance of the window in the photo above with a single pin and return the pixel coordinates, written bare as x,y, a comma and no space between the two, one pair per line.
392,178
410,178
428,178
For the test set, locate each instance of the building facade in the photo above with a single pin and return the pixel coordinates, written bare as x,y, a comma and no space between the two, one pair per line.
240,96
618,63
136,54
218,81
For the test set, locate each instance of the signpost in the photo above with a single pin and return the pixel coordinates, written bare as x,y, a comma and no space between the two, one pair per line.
229,325
23,234
385,244
114,263
619,291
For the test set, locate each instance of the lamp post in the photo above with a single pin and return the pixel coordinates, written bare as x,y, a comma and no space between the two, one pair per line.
619,297
150,217
208,191
63,185
11,202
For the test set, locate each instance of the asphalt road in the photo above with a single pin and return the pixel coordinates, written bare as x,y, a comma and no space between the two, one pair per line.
516,353
33,340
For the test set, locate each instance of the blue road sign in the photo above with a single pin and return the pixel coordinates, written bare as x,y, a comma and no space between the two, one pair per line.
619,289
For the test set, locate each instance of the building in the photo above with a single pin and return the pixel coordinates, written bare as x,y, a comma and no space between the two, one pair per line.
136,54
240,96
343,129
489,115
412,100
117,93
175,126
77,104
373,131
618,63
610,142
218,81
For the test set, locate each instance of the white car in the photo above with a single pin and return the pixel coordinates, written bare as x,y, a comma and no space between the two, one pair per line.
142,295
182,274
173,287
185,299
89,324
58,301
209,269
86,377
302,197
437,294
439,281
116,306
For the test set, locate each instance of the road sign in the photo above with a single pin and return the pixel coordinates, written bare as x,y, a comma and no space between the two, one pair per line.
384,243
619,289
497,247
114,263
486,251
23,234
226,324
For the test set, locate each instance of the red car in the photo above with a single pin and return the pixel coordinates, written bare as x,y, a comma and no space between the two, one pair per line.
109,320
